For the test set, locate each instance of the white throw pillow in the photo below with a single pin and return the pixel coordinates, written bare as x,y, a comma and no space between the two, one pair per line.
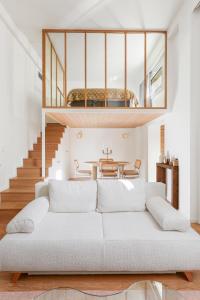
72,196
166,216
121,195
28,218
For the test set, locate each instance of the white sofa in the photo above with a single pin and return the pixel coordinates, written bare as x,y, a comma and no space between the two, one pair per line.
99,227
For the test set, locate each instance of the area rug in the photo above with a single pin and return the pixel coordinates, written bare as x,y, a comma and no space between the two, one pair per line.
188,295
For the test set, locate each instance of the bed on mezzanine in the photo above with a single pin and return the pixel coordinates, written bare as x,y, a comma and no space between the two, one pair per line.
96,97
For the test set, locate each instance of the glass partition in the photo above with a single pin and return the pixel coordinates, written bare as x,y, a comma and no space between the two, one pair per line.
105,69
155,70
76,81
95,70
135,69
115,70
48,70
55,70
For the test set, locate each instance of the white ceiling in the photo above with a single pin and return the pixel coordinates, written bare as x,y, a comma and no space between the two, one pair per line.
33,15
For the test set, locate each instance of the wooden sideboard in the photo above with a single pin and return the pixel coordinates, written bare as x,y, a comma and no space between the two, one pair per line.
161,170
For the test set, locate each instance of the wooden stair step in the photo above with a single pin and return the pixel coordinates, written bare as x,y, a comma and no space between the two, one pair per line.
34,162
50,139
48,146
38,154
20,182
55,133
29,171
54,130
55,125
12,194
11,205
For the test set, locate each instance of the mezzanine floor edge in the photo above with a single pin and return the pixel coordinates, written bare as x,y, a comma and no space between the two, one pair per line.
103,117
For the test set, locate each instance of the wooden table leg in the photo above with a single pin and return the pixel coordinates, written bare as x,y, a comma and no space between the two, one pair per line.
189,276
94,172
15,277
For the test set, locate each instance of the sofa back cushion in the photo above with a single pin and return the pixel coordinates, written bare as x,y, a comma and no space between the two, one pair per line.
72,196
121,195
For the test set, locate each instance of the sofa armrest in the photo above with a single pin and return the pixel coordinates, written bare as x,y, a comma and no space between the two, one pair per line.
166,216
28,218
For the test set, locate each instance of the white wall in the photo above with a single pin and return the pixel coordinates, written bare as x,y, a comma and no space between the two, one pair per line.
61,164
195,120
20,98
177,122
90,146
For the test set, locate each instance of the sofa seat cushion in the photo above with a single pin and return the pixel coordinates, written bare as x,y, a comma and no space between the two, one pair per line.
134,241
94,242
61,242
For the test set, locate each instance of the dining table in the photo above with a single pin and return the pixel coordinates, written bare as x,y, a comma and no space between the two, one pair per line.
118,164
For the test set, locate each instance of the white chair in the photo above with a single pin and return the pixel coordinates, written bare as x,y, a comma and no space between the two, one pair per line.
81,172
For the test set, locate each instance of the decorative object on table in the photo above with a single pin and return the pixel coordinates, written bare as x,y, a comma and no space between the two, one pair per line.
176,162
154,291
133,172
107,151
165,160
161,158
80,172
168,157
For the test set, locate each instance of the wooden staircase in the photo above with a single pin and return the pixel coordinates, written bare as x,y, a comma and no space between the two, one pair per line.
22,187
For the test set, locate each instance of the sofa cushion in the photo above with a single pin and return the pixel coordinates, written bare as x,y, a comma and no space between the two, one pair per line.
135,242
166,216
72,196
121,195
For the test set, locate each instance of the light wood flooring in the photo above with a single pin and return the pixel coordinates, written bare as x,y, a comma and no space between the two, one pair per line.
90,282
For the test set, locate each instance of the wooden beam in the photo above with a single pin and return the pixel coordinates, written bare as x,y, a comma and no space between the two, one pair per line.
105,35
51,30
15,277
145,70
51,75
165,105
125,67
85,42
43,68
65,68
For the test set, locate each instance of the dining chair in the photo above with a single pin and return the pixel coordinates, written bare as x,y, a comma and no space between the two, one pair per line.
133,172
81,172
107,169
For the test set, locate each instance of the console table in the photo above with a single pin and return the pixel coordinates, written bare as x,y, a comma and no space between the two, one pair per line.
161,170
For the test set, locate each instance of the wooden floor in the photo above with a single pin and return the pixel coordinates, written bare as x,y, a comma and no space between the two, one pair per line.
91,282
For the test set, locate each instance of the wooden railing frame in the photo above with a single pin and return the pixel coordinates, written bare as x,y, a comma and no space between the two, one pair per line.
45,32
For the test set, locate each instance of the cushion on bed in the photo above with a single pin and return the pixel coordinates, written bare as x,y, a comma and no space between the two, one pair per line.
166,216
72,196
121,195
28,218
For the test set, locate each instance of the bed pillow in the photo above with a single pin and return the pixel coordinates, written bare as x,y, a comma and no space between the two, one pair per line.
166,216
121,195
72,196
29,217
